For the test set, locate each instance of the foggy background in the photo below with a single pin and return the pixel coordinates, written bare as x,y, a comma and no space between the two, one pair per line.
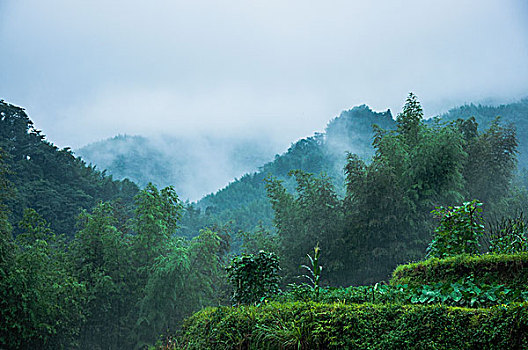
87,70
273,70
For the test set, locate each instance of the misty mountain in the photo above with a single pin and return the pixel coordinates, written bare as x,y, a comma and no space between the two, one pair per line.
193,165
244,202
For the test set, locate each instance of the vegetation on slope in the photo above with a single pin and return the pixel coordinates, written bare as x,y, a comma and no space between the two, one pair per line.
243,201
415,315
126,277
384,219
510,270
186,162
51,180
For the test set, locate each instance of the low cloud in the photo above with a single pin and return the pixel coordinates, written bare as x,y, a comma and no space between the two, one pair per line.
87,70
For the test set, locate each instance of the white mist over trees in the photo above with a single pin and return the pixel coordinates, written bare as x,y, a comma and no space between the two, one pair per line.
279,68
195,166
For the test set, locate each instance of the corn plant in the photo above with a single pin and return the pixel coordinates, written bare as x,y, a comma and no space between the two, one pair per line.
314,271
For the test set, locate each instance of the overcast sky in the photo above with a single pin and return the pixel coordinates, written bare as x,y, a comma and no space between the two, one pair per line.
90,69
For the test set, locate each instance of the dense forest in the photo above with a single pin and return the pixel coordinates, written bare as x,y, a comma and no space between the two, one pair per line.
243,203
89,262
49,180
384,218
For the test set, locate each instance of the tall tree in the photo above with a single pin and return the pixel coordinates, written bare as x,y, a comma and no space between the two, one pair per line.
157,216
388,201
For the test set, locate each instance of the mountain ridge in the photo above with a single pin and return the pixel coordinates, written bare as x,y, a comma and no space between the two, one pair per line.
244,196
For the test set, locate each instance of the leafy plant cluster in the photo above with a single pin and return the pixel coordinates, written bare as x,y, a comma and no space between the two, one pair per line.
465,292
254,277
309,325
459,230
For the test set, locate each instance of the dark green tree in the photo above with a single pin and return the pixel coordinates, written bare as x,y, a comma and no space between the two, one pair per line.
187,278
157,215
491,164
254,277
410,121
42,305
51,180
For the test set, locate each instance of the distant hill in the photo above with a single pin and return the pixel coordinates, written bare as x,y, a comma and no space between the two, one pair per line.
193,165
51,180
244,200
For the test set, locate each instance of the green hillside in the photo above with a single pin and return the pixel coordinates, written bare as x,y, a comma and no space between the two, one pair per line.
516,113
51,180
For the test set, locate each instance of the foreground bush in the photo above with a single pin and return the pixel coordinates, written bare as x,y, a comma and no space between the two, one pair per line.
366,326
509,270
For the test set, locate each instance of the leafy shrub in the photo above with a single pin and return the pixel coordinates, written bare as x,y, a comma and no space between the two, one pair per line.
458,232
312,325
508,236
254,277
